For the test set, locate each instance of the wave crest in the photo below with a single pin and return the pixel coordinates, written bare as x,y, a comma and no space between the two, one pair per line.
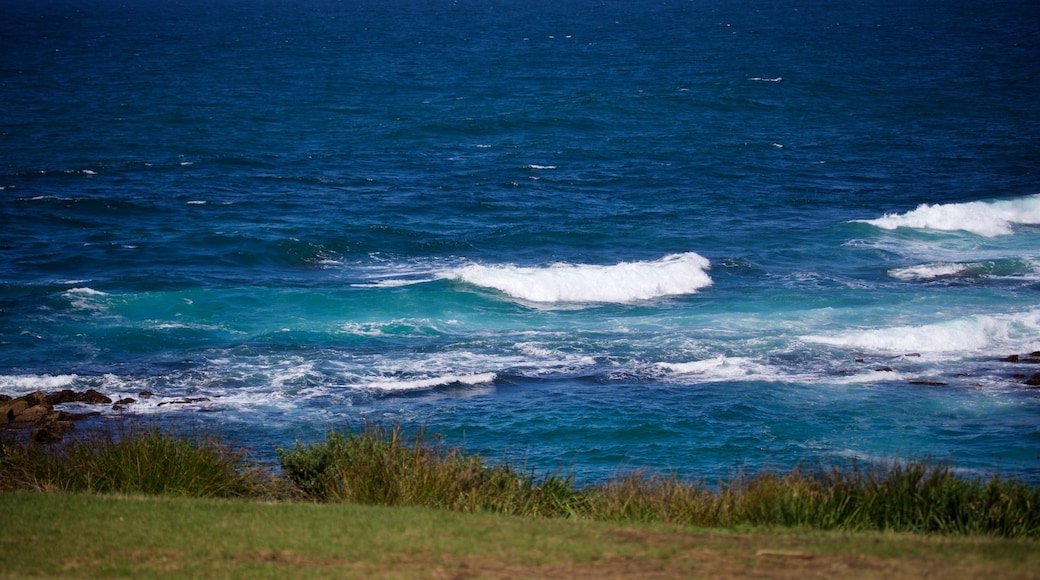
989,219
671,275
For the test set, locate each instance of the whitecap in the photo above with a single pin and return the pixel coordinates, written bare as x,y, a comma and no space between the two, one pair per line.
429,383
625,282
930,271
31,383
722,368
968,334
984,218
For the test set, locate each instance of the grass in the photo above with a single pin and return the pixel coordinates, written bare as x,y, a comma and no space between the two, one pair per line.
134,460
381,466
108,535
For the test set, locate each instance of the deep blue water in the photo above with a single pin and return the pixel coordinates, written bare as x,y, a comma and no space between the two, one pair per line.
692,236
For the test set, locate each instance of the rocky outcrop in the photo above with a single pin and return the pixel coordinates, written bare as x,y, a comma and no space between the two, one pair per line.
35,412
1032,358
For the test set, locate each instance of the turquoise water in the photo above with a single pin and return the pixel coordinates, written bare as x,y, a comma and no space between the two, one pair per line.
591,236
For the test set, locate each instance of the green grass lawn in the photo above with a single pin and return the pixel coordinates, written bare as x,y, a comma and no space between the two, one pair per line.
83,535
146,502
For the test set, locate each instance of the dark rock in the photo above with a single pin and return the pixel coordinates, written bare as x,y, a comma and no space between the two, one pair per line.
883,370
5,398
126,401
66,416
51,431
146,394
928,383
1032,358
185,401
89,396
11,409
1033,381
33,414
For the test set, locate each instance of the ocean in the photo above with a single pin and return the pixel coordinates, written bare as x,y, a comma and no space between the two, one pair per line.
582,236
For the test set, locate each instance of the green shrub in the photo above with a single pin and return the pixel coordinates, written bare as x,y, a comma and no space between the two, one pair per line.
380,466
138,460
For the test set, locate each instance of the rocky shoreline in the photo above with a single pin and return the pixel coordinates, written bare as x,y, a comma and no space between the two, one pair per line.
36,411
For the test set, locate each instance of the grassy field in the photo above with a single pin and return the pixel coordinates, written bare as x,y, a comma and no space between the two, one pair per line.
144,501
78,535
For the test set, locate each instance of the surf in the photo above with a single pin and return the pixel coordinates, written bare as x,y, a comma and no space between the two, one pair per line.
983,218
624,282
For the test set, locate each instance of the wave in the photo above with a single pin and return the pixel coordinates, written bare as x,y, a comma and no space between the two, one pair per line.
430,383
1009,268
989,219
973,333
625,282
30,383
723,368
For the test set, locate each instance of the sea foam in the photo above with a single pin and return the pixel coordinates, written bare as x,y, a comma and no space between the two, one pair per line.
430,383
972,333
993,218
671,275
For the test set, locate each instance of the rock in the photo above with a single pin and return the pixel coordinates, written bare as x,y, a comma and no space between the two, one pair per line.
1032,358
883,370
1033,381
11,409
33,414
51,431
37,410
126,401
146,394
69,396
185,401
928,383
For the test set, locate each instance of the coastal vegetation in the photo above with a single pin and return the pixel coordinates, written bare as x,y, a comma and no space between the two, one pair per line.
379,465
146,499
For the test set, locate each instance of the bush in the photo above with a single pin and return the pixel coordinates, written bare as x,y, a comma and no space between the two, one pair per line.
379,466
139,460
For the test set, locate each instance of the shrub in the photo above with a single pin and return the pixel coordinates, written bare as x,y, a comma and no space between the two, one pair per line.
144,460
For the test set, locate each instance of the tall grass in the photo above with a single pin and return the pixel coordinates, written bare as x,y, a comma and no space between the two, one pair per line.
134,460
910,497
381,465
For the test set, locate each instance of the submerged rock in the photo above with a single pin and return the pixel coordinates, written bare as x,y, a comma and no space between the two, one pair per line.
36,411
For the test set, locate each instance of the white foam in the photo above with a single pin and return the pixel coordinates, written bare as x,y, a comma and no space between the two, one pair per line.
969,334
624,282
766,80
993,218
83,298
930,271
31,383
533,166
395,327
393,283
429,383
723,368
85,292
